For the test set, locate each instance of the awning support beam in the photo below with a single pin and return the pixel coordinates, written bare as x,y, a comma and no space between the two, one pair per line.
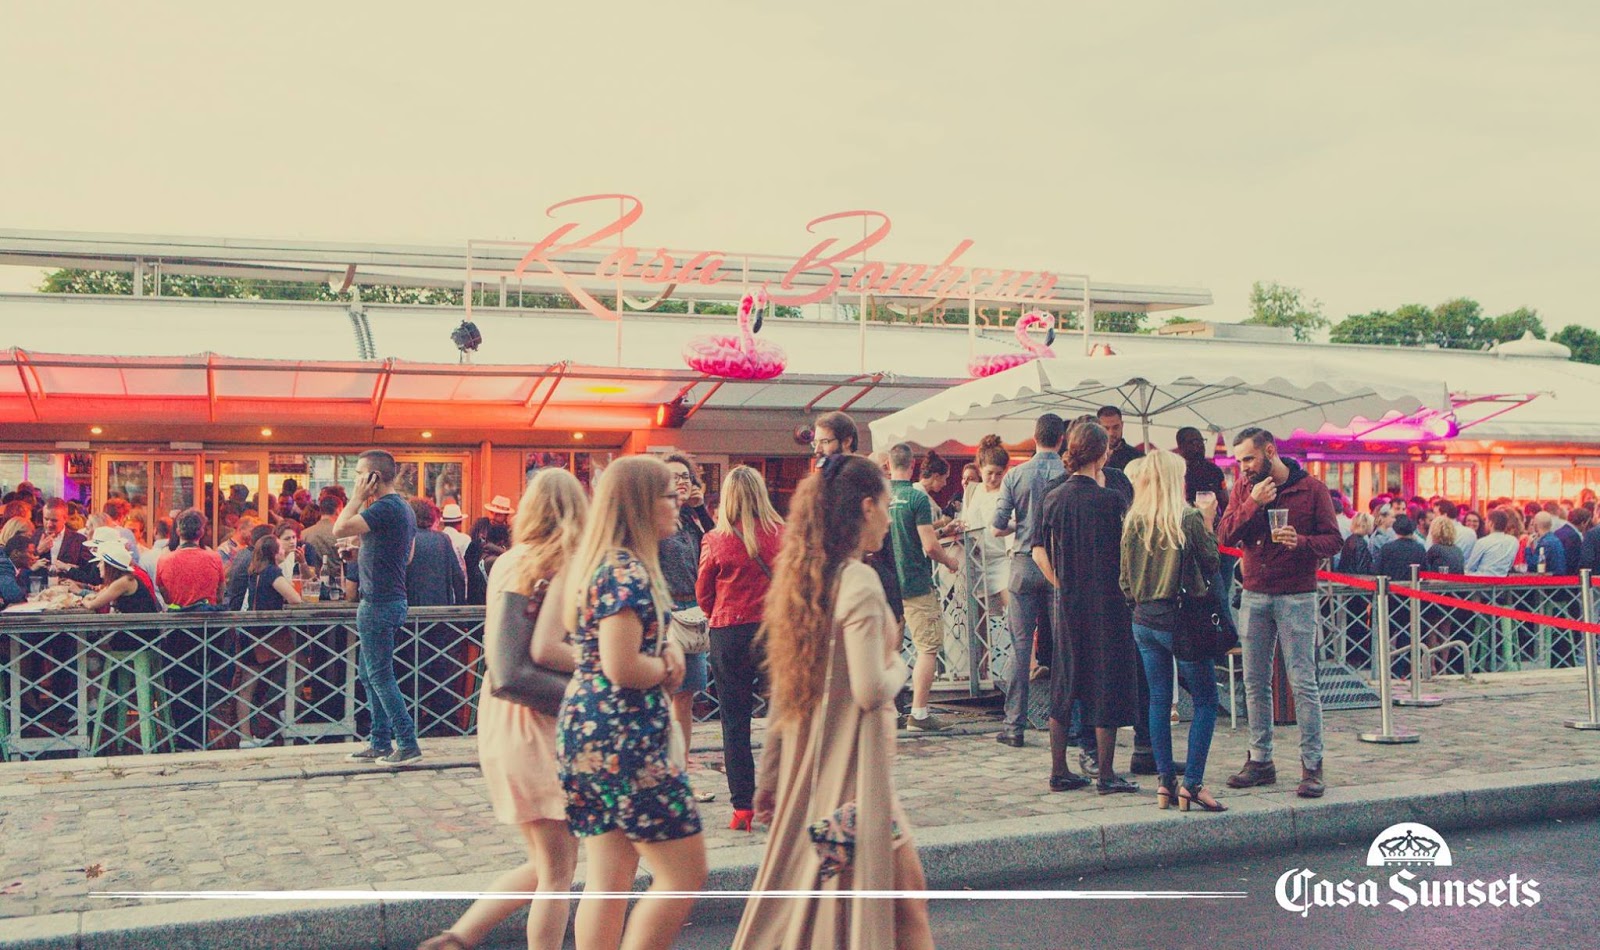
380,390
24,369
560,374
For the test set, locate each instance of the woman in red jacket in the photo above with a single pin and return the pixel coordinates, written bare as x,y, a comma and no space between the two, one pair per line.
735,571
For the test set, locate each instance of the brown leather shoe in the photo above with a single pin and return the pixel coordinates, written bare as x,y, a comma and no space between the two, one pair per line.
1310,783
1254,773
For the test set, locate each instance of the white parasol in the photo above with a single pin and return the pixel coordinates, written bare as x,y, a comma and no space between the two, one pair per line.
1169,391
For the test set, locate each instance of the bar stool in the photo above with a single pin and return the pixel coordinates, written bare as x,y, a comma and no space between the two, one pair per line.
135,670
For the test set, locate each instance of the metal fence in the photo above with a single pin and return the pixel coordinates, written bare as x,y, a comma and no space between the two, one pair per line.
1456,640
79,684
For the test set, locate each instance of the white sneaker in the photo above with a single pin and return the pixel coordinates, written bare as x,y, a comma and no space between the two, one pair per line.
254,743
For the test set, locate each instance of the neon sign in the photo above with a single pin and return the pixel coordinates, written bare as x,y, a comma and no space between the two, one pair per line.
814,276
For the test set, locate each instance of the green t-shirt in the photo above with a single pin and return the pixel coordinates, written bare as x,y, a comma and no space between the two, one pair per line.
910,506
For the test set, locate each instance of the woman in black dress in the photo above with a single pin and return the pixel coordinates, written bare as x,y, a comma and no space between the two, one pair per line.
1096,662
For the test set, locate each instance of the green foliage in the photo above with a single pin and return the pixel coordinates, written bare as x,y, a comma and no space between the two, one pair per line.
1512,325
1457,324
1582,341
1115,321
1274,305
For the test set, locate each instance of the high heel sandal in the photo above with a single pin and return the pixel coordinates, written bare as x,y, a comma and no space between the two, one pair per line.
742,818
1166,793
1187,797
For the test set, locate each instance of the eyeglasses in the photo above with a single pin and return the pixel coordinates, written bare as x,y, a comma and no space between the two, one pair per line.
819,443
683,477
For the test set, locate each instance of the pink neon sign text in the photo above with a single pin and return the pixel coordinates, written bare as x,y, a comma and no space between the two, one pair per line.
824,259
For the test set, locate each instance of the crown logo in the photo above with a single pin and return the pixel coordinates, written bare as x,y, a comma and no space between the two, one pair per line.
1409,849
1409,844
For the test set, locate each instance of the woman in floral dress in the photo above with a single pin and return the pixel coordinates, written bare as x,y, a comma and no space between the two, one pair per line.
627,796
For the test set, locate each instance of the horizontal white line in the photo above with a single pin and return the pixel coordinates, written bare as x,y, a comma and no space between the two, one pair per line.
697,895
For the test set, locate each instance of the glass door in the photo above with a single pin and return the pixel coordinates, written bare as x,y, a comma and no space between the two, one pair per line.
155,485
234,488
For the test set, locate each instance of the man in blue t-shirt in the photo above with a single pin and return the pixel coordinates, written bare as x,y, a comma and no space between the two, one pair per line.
379,515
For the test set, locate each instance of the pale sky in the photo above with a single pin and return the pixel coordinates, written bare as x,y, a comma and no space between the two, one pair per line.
1372,154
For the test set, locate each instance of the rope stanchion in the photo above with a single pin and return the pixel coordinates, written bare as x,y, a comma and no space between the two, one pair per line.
1390,734
1591,672
1416,698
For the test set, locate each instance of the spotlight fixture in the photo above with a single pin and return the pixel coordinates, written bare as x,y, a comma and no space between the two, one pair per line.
467,339
577,436
266,433
672,415
427,435
803,436
95,430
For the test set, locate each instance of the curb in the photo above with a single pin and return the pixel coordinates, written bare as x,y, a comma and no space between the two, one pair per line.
990,854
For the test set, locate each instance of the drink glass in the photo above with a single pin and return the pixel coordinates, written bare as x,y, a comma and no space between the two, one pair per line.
35,585
299,588
1278,518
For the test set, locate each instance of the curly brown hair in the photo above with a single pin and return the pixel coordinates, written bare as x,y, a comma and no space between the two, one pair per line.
823,531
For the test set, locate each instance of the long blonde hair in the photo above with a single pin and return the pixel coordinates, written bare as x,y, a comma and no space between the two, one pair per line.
746,510
824,529
549,521
622,516
1157,509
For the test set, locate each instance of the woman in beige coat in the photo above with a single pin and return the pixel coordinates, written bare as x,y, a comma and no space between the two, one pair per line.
831,644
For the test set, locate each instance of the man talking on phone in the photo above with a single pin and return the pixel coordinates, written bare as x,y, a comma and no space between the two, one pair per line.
381,518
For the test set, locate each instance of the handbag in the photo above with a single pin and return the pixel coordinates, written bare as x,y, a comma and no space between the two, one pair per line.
677,742
1205,625
513,674
834,835
690,629
760,562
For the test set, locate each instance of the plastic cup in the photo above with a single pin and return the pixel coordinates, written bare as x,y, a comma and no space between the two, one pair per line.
299,586
312,594
1278,518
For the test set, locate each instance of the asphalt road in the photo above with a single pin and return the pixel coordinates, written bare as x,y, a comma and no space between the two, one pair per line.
1561,857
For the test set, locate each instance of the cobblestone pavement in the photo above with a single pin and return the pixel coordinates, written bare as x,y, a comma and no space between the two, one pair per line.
302,817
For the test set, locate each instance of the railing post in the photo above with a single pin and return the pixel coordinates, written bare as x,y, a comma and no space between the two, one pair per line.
1380,641
1591,673
1417,653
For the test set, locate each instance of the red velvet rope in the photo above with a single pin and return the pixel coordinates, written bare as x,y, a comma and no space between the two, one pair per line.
1497,611
1494,610
1520,580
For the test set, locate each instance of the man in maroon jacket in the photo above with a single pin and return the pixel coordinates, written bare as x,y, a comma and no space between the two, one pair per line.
1280,597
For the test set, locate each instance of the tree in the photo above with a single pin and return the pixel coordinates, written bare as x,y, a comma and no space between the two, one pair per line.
1406,326
1512,325
1457,325
1118,321
1582,341
1274,305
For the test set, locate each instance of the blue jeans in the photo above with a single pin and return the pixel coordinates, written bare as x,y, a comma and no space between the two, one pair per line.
1155,649
376,626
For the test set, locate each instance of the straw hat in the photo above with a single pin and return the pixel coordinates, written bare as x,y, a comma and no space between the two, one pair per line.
451,513
500,506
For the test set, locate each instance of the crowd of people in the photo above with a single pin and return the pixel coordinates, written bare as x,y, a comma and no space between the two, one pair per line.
1088,548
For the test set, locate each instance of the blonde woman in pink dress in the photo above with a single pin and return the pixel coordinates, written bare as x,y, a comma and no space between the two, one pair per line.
516,745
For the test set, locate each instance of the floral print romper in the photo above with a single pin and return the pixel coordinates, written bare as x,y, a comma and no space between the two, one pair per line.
613,742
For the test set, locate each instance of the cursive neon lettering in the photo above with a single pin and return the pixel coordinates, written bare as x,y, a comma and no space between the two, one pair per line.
619,263
865,277
814,276
945,276
662,273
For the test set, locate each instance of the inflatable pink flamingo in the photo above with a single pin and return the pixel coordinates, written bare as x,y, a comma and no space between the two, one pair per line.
989,365
742,356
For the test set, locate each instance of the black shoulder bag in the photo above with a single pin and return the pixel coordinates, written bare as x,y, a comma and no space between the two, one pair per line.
513,674
1205,626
